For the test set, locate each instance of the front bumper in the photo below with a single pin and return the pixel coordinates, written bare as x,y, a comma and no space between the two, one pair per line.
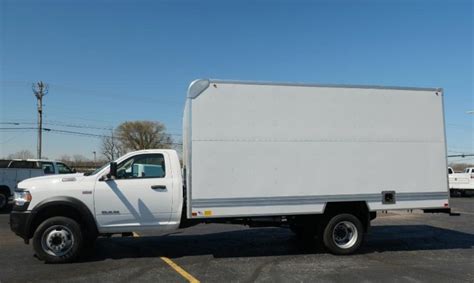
20,223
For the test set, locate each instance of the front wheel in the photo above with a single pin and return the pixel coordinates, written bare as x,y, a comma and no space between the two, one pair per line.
58,240
343,234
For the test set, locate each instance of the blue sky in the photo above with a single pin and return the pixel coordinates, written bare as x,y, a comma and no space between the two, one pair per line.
111,61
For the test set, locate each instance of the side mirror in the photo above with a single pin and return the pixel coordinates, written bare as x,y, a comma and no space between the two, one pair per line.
113,170
73,170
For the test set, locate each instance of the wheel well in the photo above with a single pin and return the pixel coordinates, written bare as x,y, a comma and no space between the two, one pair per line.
59,210
356,208
6,190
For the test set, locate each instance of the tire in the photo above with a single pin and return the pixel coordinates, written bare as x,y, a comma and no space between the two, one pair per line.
3,200
343,234
58,240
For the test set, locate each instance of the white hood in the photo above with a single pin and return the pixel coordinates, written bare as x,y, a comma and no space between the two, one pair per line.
43,181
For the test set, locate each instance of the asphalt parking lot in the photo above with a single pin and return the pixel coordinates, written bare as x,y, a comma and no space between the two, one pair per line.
402,247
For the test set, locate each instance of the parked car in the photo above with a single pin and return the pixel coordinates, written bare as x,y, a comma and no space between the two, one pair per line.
16,170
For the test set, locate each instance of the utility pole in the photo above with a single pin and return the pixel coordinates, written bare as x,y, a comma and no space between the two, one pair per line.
40,89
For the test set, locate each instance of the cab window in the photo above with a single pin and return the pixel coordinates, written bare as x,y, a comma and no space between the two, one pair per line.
142,166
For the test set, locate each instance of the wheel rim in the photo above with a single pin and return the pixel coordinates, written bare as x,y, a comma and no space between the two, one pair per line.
57,240
344,234
3,200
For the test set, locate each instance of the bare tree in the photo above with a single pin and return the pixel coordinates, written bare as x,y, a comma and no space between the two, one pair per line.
136,135
22,154
111,148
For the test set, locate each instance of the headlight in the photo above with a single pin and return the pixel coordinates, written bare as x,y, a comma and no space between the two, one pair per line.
22,197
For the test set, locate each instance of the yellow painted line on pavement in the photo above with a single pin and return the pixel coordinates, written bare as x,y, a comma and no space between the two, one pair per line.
176,267
181,271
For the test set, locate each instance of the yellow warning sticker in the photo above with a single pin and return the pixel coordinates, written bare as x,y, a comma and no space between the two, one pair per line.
207,212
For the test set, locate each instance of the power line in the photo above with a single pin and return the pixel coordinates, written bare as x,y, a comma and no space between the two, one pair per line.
9,123
20,128
62,124
59,124
67,132
461,155
65,125
77,133
54,131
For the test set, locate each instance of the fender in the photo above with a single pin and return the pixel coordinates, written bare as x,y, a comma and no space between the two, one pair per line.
86,214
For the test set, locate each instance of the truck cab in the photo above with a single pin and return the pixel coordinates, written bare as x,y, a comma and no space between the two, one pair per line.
141,191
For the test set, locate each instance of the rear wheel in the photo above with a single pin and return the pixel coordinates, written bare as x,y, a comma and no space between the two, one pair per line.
58,240
343,234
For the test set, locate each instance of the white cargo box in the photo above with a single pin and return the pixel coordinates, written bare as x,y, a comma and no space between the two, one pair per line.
257,149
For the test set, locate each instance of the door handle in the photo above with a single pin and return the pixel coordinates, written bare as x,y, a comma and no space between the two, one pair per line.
158,187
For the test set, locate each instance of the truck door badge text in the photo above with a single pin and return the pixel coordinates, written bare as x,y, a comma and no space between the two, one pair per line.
110,212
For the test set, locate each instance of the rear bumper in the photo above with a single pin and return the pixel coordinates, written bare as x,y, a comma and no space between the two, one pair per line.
20,223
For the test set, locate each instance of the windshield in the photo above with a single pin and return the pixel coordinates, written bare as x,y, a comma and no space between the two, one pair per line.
96,170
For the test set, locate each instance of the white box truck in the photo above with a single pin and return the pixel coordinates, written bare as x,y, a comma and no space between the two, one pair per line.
318,159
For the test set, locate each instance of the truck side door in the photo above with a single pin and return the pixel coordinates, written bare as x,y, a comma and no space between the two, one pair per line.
139,196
